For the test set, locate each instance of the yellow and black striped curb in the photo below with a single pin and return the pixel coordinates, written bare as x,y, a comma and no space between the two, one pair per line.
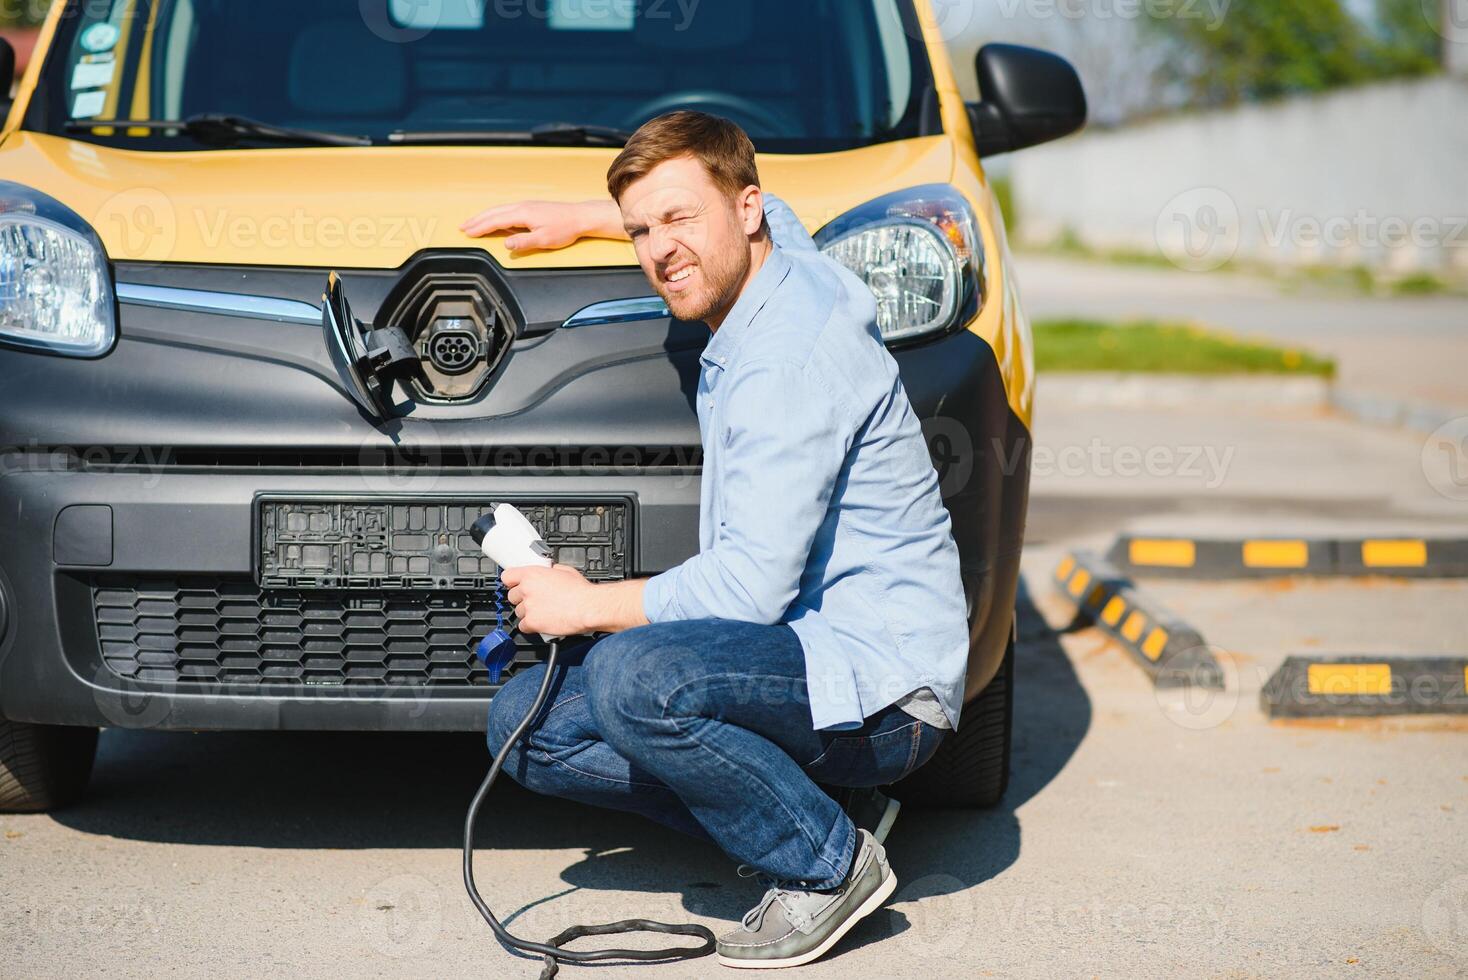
1171,652
1318,687
1262,557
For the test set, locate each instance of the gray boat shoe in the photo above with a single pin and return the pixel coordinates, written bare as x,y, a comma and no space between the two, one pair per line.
790,927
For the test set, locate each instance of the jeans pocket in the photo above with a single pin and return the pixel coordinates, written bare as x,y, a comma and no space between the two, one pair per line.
871,760
930,738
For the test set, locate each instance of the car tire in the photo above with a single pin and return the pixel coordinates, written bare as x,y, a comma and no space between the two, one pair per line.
970,769
43,767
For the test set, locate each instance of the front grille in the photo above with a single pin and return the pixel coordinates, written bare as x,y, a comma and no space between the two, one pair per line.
228,631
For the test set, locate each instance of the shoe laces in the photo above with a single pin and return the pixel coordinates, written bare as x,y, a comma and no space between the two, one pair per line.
775,891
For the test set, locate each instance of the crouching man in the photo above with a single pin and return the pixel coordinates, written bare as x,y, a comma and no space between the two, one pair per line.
819,635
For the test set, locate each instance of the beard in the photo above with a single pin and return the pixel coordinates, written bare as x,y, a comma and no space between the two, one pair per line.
718,280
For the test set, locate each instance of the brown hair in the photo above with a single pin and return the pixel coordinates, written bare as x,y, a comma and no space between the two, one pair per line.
722,147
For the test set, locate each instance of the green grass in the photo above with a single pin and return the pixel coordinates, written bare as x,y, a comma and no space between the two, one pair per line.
1419,284
1173,348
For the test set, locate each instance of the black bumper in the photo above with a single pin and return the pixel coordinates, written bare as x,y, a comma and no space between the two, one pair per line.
180,564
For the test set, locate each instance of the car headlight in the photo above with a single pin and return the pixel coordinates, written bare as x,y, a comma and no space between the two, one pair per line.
55,284
919,252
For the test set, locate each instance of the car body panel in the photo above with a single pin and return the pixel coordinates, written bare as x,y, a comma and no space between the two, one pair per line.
192,415
375,207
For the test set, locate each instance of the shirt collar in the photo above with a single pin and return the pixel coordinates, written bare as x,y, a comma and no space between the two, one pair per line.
725,342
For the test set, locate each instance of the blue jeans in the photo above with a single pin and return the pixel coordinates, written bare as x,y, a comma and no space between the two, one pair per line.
705,727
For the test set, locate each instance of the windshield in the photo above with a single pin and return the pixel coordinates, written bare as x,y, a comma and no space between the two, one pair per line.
808,76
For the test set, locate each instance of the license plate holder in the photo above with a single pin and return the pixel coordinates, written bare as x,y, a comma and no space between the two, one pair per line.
423,543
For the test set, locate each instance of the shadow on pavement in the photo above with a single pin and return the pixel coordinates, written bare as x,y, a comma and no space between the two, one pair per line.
395,791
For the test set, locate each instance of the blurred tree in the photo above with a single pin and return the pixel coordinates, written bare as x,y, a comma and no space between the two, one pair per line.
1265,50
1408,40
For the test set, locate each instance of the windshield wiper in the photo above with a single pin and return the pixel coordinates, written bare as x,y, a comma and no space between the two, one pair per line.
552,134
217,129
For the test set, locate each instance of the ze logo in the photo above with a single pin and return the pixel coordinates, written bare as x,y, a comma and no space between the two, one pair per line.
1199,229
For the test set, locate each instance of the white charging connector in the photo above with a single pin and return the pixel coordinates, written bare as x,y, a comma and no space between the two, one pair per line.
510,541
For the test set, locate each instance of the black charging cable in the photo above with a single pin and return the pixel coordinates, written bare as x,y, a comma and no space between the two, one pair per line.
551,950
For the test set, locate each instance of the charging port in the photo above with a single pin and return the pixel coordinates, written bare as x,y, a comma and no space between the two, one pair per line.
453,346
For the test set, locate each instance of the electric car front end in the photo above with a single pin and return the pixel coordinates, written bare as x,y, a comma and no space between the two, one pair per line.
221,508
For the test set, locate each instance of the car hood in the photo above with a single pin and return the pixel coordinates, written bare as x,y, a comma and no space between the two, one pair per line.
373,208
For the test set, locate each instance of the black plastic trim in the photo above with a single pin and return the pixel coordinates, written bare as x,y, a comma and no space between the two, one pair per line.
1028,96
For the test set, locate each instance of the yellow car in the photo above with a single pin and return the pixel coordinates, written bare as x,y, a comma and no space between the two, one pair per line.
231,505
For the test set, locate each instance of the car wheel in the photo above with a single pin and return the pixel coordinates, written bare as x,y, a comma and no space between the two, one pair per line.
43,766
971,766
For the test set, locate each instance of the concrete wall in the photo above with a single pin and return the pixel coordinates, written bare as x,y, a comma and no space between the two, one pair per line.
1374,176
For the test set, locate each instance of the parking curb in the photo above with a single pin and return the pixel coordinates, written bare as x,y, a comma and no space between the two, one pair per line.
1414,416
1172,653
1363,686
1206,558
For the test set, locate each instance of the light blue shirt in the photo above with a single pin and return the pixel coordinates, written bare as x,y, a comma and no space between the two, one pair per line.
820,505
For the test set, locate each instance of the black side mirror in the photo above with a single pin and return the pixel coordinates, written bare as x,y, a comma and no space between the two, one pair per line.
1028,97
7,76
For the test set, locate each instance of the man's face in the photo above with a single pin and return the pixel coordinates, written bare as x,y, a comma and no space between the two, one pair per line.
692,239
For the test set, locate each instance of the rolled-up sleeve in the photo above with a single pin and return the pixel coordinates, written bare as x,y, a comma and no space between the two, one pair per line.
786,437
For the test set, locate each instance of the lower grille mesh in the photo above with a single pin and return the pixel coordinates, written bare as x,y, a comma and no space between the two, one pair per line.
229,631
